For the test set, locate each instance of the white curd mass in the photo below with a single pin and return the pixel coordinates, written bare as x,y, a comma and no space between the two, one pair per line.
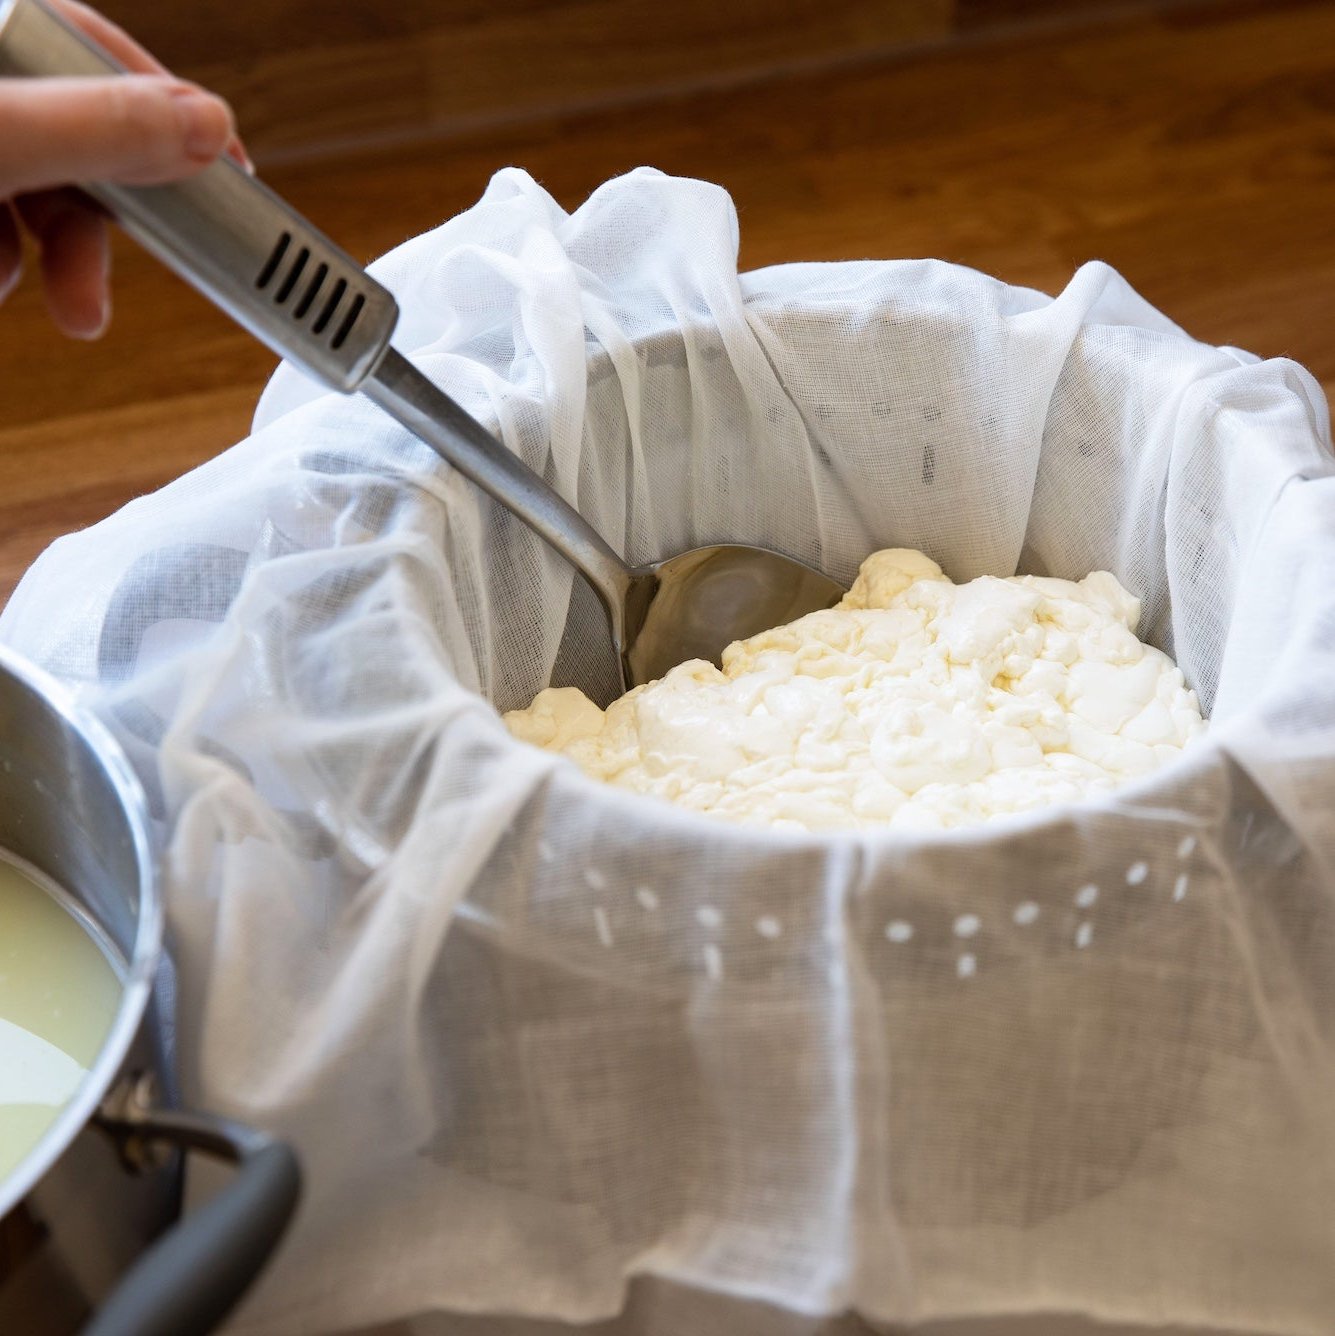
913,703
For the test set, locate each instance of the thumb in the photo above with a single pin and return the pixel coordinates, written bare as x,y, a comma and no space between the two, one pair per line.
135,129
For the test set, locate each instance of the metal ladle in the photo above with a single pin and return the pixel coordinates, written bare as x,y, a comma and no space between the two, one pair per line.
690,606
254,256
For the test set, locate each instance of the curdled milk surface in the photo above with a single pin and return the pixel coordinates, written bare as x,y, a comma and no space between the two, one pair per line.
914,703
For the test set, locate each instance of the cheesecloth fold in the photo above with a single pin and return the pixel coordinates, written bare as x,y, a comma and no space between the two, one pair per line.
535,1038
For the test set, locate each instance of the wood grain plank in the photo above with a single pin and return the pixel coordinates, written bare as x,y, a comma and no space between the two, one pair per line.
299,74
62,475
313,77
1198,158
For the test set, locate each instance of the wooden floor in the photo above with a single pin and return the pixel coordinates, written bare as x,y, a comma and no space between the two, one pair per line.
1192,147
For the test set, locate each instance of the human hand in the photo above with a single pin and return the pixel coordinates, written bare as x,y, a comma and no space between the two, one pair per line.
137,129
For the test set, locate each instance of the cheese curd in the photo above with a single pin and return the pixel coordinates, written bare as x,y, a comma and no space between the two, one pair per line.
913,703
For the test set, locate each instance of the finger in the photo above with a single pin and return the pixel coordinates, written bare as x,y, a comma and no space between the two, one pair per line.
11,251
119,44
72,235
138,129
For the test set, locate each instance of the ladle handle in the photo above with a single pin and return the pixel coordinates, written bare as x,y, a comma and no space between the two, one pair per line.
409,397
258,259
224,232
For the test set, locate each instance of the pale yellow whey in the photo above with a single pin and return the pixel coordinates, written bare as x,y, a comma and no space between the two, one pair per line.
58,995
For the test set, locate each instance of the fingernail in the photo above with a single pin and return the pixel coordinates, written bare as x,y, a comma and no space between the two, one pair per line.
205,121
104,311
102,315
101,320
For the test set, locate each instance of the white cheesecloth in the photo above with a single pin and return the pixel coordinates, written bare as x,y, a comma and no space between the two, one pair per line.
534,1038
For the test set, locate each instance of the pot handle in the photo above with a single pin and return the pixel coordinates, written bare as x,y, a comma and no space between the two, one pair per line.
191,1277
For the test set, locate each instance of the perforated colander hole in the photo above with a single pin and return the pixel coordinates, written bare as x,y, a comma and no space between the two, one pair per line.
967,925
708,917
967,965
769,927
1086,896
1084,934
713,959
897,930
1025,913
1137,873
602,926
595,880
1180,888
647,898
1187,847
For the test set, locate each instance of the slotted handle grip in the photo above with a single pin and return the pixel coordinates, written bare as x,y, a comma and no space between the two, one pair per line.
225,233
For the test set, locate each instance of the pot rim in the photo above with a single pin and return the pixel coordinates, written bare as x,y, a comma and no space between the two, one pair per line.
140,970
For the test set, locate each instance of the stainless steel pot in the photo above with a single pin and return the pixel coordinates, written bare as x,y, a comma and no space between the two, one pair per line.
89,1228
